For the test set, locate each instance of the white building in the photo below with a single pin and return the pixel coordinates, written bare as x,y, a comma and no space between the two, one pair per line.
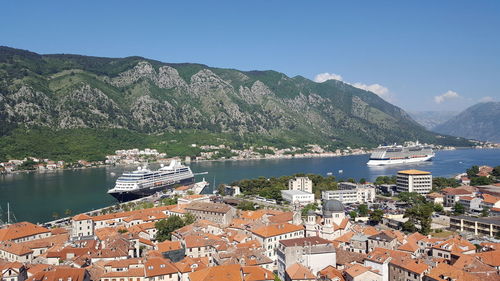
349,195
300,183
414,181
313,252
82,227
331,224
297,196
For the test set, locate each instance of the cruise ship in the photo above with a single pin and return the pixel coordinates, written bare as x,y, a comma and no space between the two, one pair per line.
397,154
144,182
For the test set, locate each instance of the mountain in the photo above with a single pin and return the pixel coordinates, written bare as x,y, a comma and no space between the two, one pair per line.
71,98
430,119
480,122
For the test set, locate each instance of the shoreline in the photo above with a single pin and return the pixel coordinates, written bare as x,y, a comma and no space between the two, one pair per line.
223,160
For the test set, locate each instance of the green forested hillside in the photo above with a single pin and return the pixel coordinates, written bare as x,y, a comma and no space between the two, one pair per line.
82,106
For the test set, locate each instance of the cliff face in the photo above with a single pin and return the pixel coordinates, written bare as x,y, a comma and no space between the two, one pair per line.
480,122
70,91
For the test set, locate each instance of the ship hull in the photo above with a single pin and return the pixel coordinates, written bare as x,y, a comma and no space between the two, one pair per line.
124,196
377,162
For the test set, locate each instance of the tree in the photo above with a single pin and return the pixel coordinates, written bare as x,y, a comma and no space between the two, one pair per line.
496,171
438,208
411,198
311,206
353,214
472,172
421,214
166,227
351,180
363,210
362,181
246,205
190,192
475,181
189,219
485,212
409,226
459,209
376,216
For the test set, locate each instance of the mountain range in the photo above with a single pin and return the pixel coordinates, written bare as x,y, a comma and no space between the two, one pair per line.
479,122
430,119
64,93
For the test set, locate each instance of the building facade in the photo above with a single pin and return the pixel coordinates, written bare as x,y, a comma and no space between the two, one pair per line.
300,183
414,181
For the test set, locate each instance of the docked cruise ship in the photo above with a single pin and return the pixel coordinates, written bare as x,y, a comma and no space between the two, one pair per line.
144,182
397,154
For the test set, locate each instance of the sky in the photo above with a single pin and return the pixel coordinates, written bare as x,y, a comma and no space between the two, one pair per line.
419,55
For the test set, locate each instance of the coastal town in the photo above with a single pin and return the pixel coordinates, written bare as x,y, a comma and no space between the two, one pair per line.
220,152
404,227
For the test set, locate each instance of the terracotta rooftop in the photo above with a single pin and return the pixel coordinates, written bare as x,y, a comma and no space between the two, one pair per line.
356,270
81,217
415,266
167,246
20,230
445,272
158,266
277,229
299,272
331,273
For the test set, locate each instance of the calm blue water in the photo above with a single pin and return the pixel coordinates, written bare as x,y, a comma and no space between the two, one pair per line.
35,196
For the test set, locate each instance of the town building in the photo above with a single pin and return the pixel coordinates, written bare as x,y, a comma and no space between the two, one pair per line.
331,224
269,236
315,253
349,193
22,232
414,181
407,269
452,195
82,227
358,272
381,240
300,183
297,197
214,212
489,226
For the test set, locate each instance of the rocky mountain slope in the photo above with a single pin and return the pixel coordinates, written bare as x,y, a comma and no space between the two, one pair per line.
431,119
480,122
65,92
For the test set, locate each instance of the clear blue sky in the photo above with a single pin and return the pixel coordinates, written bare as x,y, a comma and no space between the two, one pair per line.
414,51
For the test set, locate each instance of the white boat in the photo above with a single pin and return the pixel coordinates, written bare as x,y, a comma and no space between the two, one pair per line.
398,154
144,182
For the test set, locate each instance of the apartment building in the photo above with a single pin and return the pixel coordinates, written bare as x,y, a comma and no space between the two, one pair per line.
489,226
414,181
350,196
300,183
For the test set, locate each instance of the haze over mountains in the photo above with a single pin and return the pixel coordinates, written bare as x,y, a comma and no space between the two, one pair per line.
430,119
67,92
480,122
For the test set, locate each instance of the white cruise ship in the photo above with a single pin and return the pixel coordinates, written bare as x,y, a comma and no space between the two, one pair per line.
398,154
144,182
